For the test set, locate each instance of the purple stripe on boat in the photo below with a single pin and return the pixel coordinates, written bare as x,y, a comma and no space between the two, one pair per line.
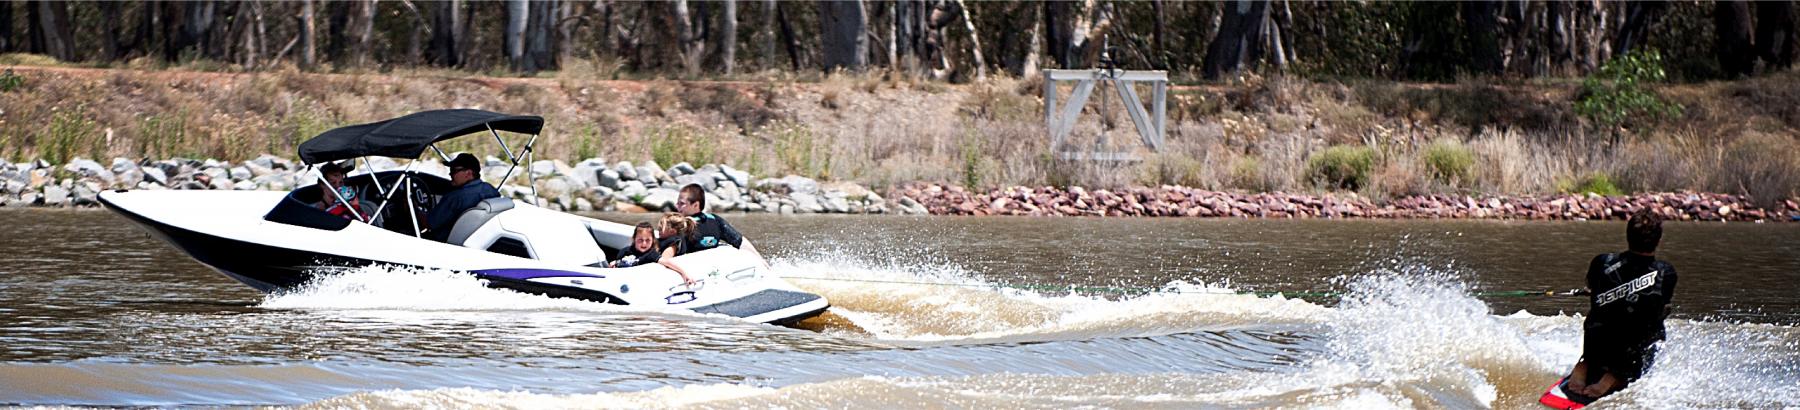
522,274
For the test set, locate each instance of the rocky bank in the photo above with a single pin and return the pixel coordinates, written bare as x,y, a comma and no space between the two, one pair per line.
623,186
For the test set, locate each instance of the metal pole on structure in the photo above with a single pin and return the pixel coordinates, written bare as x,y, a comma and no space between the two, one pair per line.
411,213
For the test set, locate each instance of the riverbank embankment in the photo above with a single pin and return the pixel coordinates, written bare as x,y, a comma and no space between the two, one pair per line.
1383,140
595,185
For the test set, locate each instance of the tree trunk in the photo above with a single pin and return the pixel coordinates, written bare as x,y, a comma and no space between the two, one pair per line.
1059,28
842,28
540,47
1085,41
727,38
59,36
906,36
246,18
1639,16
1158,53
1481,20
7,44
1775,36
112,20
309,39
788,37
1732,30
363,33
769,37
337,25
974,41
1238,42
34,28
445,17
518,14
1024,63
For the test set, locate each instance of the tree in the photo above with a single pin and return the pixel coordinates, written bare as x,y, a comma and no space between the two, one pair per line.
53,34
842,34
362,32
447,28
540,47
518,15
1481,23
727,37
1776,41
1639,16
1239,41
1735,45
6,27
309,38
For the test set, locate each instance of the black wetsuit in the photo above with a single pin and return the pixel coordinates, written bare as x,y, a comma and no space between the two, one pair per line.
710,231
631,257
1631,295
675,242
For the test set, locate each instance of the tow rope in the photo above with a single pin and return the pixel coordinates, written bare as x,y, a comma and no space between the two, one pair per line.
1140,291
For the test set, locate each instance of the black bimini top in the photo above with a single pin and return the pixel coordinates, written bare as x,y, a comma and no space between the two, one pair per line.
409,136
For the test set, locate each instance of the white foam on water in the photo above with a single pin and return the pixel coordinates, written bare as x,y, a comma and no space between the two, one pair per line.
1405,337
386,287
1720,364
466,398
949,304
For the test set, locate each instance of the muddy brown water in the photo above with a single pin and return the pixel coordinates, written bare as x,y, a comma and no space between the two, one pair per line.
928,312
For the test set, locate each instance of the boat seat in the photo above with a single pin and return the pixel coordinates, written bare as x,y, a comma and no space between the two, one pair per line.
475,217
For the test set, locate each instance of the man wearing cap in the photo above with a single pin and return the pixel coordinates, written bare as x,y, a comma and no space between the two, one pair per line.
467,189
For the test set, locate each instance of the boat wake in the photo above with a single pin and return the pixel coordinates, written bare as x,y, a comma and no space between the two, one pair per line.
1401,337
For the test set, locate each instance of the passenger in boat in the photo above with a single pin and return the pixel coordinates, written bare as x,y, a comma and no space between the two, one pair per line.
467,189
676,230
1629,298
709,230
643,249
333,189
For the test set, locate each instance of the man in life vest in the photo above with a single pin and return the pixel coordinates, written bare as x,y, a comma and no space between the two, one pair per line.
1630,294
710,231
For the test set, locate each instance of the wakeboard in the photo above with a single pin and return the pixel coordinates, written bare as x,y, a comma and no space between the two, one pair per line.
1559,397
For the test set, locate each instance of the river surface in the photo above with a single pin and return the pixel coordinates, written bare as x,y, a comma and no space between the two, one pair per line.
929,312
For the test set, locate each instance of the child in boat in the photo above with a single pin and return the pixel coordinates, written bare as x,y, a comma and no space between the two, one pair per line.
643,249
676,230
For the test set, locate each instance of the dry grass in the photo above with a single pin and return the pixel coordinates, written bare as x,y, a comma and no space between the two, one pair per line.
883,129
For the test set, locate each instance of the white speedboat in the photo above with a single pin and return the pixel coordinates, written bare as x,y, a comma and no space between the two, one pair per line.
277,241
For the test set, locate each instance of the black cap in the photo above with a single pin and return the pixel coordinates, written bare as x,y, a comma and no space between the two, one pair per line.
333,167
464,161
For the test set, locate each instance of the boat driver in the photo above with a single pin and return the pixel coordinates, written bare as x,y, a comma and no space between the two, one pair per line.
467,190
1629,300
710,231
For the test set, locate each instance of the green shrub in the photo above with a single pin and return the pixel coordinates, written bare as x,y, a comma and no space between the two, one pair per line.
161,136
11,81
800,152
1617,93
587,143
676,144
1342,166
68,135
1596,183
1170,168
972,156
1247,173
1449,161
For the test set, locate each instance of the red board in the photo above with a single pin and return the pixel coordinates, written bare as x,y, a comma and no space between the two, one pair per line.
1557,398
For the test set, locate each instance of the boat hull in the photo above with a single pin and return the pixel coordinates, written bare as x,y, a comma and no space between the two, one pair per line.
271,268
